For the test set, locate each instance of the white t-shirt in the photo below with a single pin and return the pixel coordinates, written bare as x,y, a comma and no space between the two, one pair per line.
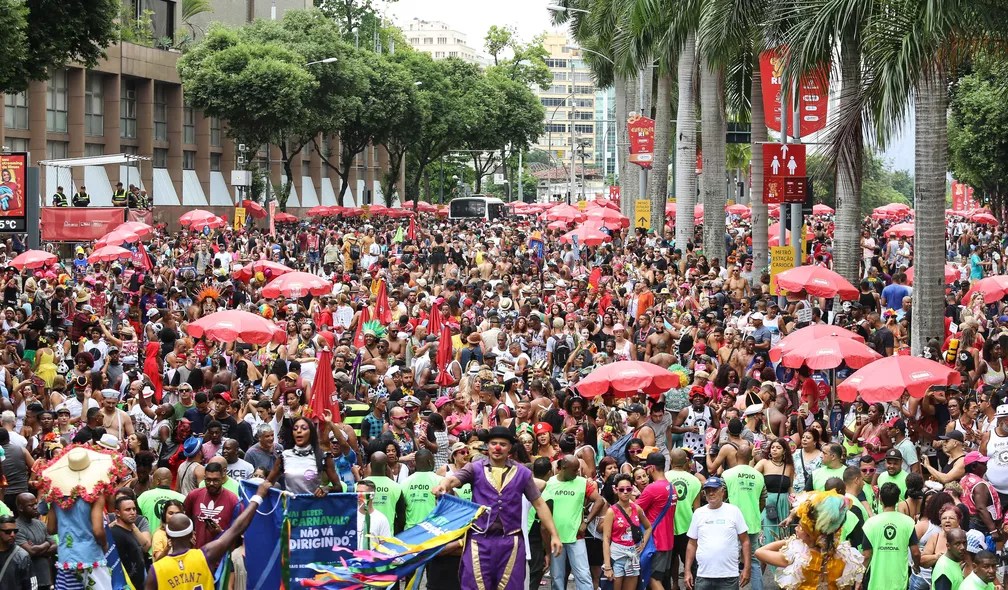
379,527
716,533
239,470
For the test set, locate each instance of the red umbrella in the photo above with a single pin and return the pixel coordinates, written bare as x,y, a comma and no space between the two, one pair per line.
444,357
803,337
985,218
109,253
993,288
606,217
294,285
586,235
199,218
323,397
626,378
33,259
737,209
435,321
383,311
269,269
901,229
829,352
951,274
892,210
284,217
234,325
773,212
254,209
320,211
558,225
117,237
819,281
565,213
886,379
820,209
138,227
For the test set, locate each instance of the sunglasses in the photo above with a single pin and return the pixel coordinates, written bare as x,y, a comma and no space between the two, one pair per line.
635,451
8,531
868,471
624,490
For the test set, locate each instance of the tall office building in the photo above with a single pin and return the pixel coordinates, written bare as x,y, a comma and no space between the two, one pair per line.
440,41
569,102
607,153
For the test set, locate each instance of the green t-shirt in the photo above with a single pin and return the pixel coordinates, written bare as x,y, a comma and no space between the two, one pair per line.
889,535
568,505
686,487
819,476
869,494
973,582
745,486
899,479
230,484
387,494
951,569
151,504
419,499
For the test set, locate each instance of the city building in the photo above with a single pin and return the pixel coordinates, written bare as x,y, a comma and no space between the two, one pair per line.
440,41
569,102
607,154
132,103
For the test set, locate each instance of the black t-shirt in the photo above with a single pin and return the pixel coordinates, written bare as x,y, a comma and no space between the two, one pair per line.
882,340
131,555
84,435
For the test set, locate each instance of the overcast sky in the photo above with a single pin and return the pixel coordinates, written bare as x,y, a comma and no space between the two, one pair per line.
529,18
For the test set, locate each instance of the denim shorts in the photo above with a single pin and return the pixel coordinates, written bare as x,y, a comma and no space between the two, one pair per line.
625,561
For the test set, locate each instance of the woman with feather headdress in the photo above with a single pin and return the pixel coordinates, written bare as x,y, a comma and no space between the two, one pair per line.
815,558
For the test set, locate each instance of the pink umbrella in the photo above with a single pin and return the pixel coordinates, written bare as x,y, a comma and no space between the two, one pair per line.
802,337
892,210
886,379
558,225
320,211
984,218
626,378
565,213
33,259
269,268
740,210
199,218
951,274
117,237
138,227
820,209
586,235
609,218
284,217
901,229
294,285
829,352
816,280
993,288
233,325
109,253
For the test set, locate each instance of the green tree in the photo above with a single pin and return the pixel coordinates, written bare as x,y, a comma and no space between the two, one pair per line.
40,35
880,186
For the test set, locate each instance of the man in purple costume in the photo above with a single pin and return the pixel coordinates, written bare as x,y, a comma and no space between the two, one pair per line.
494,555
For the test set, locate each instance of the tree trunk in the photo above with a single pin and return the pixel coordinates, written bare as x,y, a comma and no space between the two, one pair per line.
760,221
685,176
645,84
849,173
931,162
630,177
659,172
714,128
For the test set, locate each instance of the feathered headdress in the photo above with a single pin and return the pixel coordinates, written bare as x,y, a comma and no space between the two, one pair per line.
821,514
208,292
375,328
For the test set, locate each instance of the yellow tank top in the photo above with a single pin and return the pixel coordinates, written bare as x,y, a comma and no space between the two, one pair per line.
188,571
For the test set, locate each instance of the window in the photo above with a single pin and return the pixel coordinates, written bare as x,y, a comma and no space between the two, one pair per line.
584,116
428,40
94,149
57,149
94,104
559,89
556,128
582,77
188,160
559,76
131,150
128,110
56,102
556,63
17,144
438,54
160,158
584,103
584,90
453,54
16,110
160,112
188,125
414,40
215,138
442,40
584,128
553,102
215,162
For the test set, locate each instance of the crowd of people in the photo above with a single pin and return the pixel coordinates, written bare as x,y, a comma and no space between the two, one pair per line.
744,472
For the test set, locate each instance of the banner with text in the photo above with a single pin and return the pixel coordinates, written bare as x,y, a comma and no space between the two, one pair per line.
79,224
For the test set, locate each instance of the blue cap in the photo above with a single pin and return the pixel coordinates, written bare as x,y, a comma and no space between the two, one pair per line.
713,482
191,446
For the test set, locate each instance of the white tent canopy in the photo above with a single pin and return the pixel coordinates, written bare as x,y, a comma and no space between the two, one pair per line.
94,161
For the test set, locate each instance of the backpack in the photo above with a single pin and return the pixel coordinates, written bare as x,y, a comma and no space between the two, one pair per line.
561,352
355,252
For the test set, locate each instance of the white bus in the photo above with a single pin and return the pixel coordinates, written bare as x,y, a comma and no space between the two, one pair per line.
477,207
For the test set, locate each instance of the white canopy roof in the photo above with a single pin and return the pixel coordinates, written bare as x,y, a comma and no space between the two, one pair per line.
93,161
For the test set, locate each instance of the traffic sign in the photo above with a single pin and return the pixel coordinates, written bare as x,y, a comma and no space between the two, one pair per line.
642,213
239,217
782,161
614,193
781,259
582,205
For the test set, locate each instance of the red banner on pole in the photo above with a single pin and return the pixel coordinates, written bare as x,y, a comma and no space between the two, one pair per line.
813,94
641,131
79,224
272,216
963,197
141,215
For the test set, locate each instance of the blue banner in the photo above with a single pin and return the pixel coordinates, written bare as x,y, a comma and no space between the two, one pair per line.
262,539
403,555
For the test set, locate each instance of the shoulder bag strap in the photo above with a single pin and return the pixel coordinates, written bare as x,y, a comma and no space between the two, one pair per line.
7,562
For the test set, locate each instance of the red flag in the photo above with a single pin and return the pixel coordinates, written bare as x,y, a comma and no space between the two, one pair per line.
594,278
141,258
435,321
323,396
444,357
411,231
358,338
153,369
383,312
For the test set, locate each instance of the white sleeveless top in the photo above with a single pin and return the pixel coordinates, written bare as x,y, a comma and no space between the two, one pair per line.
997,466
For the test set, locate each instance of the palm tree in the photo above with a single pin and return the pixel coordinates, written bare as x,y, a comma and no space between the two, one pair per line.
686,145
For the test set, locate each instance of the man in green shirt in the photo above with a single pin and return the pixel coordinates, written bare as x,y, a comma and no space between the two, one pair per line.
832,466
868,473
984,572
566,494
947,573
687,489
858,513
887,537
388,496
151,503
747,491
894,472
417,489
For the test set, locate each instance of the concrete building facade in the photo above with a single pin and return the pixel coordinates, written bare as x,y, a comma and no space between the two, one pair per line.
440,41
569,102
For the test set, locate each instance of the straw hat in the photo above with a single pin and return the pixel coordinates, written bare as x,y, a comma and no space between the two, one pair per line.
80,472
